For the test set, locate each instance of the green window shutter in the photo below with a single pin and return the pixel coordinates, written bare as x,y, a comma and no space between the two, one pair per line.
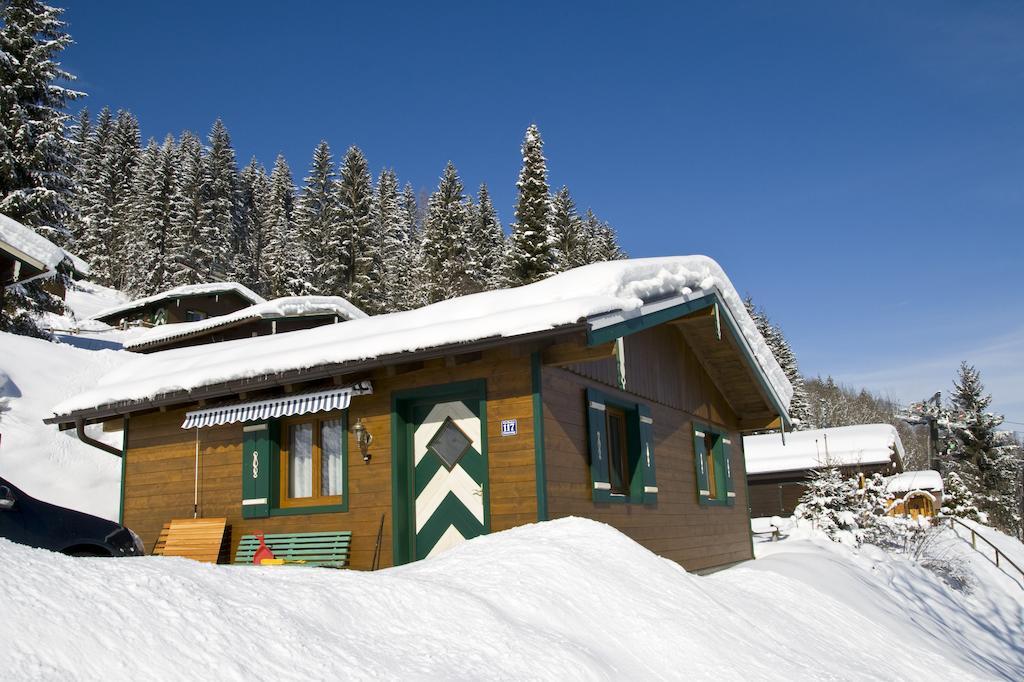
647,464
730,490
256,458
699,458
598,432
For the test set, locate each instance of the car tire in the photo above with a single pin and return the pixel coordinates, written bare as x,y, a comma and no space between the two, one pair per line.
88,552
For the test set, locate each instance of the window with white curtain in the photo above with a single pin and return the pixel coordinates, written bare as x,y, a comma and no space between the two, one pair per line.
331,435
312,461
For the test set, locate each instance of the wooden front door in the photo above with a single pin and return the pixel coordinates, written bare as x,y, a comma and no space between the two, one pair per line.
441,491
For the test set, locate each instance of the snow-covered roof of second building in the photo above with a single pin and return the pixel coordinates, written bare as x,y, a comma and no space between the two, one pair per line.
838,446
209,288
620,287
30,243
288,306
914,480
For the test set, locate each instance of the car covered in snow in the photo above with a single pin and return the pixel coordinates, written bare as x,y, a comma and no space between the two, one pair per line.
28,521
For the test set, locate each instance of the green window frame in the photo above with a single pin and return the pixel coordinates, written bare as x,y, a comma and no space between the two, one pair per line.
261,469
621,448
712,450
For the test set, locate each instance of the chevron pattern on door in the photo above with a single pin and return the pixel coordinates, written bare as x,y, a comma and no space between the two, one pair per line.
450,475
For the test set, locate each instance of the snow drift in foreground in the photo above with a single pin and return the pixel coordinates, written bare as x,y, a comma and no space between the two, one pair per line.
567,599
563,299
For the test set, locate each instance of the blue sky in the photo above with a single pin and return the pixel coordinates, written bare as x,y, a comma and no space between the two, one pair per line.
856,167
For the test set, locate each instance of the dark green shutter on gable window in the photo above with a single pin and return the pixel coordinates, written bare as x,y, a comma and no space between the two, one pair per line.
598,446
730,491
257,445
650,481
700,463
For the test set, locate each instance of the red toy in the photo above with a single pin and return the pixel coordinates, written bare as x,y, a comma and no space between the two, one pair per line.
262,552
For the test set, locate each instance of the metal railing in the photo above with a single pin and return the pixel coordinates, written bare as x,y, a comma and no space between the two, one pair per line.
975,536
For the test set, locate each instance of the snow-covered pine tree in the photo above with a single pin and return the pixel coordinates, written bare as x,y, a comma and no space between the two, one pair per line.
489,267
828,504
286,255
391,272
188,253
957,499
316,216
799,407
254,195
151,216
532,246
415,291
445,250
79,148
599,241
35,167
219,225
349,243
568,232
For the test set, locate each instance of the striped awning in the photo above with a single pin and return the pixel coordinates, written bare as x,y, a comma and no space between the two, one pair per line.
284,406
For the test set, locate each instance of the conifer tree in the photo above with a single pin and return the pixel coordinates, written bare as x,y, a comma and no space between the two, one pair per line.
255,191
567,232
352,263
392,269
444,239
799,406
286,255
414,294
957,499
828,503
599,241
79,151
151,218
187,247
316,217
532,246
219,225
487,264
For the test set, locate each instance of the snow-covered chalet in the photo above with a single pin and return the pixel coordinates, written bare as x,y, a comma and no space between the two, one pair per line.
618,391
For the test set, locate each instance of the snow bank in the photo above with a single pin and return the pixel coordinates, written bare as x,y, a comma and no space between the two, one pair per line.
46,463
288,306
839,446
914,480
567,599
567,298
27,241
185,290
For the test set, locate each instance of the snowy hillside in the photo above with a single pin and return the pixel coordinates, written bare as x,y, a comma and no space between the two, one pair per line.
35,375
568,599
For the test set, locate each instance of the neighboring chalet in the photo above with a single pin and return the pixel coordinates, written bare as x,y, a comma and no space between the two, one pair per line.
188,303
778,466
915,493
617,391
281,315
26,255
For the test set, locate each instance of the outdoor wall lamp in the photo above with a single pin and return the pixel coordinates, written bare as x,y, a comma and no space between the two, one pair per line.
363,439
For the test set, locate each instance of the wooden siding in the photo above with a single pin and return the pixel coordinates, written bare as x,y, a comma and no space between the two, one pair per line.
662,371
161,456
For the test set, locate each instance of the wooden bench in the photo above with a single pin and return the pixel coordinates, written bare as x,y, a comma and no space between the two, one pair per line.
198,539
328,549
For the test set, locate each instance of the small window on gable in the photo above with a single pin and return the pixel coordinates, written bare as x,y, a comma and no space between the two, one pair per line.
194,315
621,447
711,450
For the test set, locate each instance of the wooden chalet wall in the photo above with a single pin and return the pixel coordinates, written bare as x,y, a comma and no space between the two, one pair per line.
161,456
662,371
256,327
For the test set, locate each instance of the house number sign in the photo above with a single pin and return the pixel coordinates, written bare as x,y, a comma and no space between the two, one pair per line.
509,427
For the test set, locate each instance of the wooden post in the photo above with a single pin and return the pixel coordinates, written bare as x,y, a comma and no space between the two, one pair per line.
974,545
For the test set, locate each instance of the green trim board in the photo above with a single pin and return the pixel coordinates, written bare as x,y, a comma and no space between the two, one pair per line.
409,478
537,379
654,318
124,467
643,486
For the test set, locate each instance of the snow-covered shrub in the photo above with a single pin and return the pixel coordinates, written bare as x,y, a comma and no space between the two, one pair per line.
957,500
923,543
830,504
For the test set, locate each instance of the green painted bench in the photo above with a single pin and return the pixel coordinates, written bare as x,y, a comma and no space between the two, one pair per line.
300,549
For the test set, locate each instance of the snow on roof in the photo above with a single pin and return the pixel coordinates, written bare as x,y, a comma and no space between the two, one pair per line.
914,480
30,243
288,306
567,298
78,264
846,446
182,291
